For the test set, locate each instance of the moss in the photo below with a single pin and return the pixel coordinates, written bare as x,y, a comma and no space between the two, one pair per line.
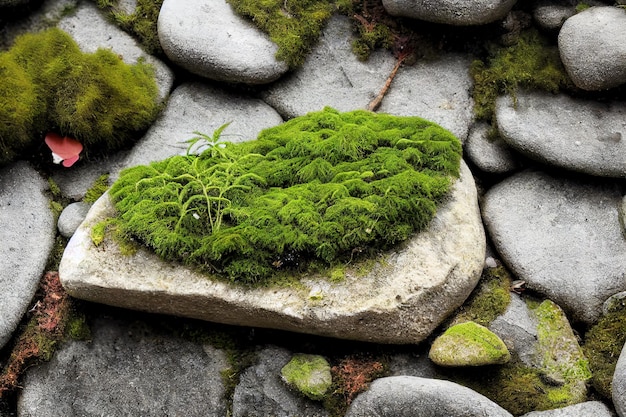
370,37
531,63
48,84
337,274
77,327
603,345
99,187
309,374
141,23
582,6
317,187
294,25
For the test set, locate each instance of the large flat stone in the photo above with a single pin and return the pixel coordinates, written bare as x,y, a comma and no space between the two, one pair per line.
402,299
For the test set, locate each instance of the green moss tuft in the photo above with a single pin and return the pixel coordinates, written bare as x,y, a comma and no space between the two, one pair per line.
99,187
48,84
318,186
531,63
309,374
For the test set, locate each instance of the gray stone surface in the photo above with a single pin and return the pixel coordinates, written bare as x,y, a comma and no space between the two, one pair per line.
586,409
401,300
562,236
591,44
551,14
619,385
196,107
75,182
261,391
406,396
437,90
27,233
71,217
450,12
209,39
517,327
579,135
490,155
127,369
91,30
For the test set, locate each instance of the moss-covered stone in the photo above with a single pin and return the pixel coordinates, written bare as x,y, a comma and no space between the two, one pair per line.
320,186
48,84
468,344
309,374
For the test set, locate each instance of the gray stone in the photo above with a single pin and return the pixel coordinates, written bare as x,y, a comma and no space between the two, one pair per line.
209,39
71,217
517,327
586,409
561,236
619,385
91,30
332,75
493,156
551,15
614,303
579,135
407,396
450,12
401,300
261,391
27,229
591,44
127,369
195,107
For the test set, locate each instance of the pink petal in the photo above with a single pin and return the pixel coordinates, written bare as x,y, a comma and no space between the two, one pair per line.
70,161
67,148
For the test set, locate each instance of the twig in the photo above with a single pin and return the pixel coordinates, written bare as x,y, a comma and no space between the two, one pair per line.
375,103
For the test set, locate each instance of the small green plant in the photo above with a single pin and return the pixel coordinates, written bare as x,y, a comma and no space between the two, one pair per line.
315,187
48,84
98,188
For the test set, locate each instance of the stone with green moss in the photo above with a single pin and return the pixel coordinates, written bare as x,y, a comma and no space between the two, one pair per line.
309,374
469,344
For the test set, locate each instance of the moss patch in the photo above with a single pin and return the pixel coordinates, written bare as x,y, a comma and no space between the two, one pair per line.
316,187
531,63
99,187
48,84
309,374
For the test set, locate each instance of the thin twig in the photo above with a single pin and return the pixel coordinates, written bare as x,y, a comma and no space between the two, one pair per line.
375,103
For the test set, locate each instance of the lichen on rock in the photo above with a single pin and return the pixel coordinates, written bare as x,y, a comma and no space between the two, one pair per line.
309,374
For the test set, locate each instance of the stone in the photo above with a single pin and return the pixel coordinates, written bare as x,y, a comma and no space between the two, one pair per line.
332,75
196,107
261,392
468,344
400,299
614,303
517,327
309,374
449,12
209,39
590,43
619,385
71,217
91,31
127,369
550,15
578,135
493,156
402,396
28,231
586,409
562,236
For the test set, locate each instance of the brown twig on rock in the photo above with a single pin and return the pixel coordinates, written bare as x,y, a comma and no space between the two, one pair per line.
375,103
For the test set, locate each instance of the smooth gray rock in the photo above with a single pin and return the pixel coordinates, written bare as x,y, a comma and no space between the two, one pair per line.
586,409
209,39
27,233
196,107
91,30
619,385
75,182
407,396
127,369
450,12
71,217
261,391
562,236
493,156
401,300
517,327
332,75
592,45
551,15
579,135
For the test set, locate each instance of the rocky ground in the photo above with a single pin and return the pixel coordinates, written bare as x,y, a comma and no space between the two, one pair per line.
549,190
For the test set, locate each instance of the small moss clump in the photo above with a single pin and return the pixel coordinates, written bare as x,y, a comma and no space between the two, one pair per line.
99,187
315,187
48,84
309,374
531,63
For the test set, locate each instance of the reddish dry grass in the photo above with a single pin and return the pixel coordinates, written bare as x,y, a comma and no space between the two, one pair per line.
353,375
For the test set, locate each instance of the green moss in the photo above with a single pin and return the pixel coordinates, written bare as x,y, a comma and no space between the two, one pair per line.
337,274
309,374
371,37
77,328
99,187
531,63
603,346
317,187
142,23
582,6
294,25
98,232
48,84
